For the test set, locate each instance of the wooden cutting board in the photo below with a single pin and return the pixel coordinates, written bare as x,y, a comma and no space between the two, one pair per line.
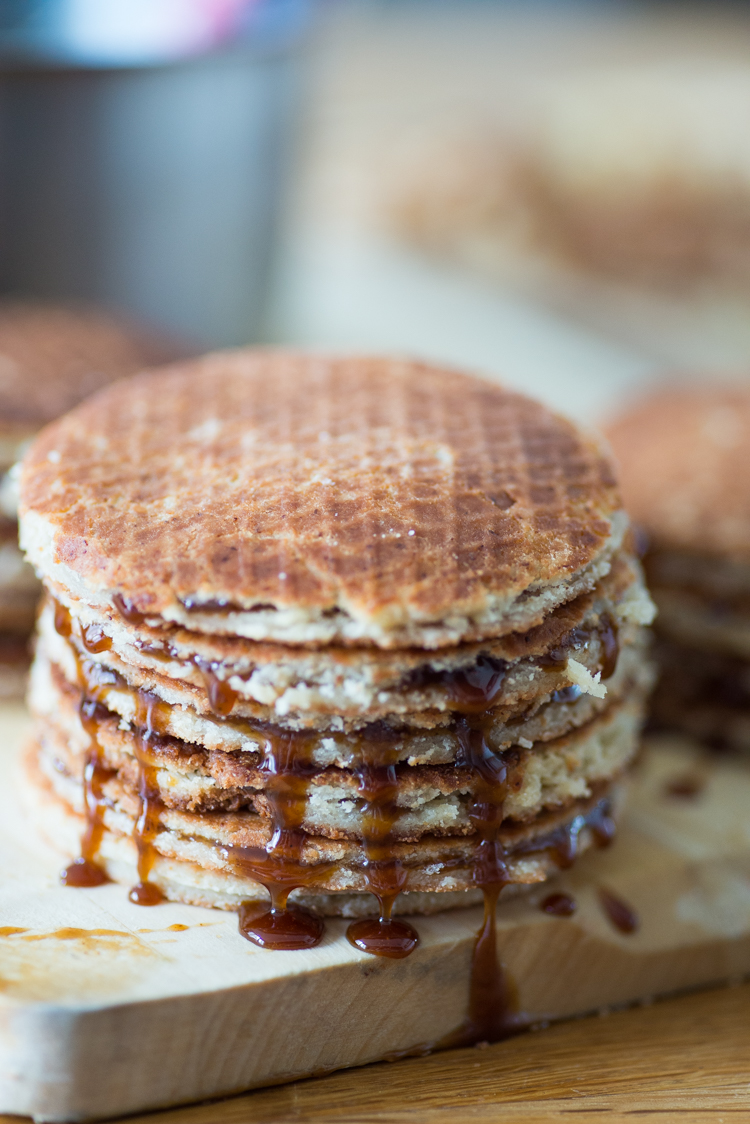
107,1008
684,1058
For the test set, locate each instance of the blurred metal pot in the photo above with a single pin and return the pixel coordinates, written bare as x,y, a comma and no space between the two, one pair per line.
142,148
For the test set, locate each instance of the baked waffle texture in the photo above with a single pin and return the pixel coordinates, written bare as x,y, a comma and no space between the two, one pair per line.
682,456
51,357
414,718
311,500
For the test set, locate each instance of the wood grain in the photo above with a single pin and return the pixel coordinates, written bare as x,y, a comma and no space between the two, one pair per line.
686,1057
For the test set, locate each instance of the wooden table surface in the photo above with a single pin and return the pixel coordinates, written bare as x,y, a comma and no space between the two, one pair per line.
686,1058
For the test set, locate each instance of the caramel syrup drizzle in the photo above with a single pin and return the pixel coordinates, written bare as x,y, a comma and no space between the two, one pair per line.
563,842
86,871
289,768
147,824
279,866
556,658
559,905
221,696
622,915
385,874
492,1012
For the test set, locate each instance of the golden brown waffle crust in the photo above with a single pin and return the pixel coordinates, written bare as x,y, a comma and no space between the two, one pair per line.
347,688
685,473
52,356
189,858
315,500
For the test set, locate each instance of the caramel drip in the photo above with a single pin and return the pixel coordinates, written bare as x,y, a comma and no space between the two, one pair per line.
475,689
622,916
563,843
279,865
221,696
127,609
555,659
485,810
92,680
288,929
493,1001
385,874
386,936
493,1006
610,645
85,871
686,787
559,905
94,639
222,605
493,1012
601,823
147,824
63,622
471,690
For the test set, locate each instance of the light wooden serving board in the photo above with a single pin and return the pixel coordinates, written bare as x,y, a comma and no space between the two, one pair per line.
107,1008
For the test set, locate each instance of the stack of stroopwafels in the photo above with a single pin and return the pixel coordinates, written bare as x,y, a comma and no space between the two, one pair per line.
51,357
683,452
360,634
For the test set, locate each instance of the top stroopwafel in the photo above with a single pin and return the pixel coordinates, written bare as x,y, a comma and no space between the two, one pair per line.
311,500
685,471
